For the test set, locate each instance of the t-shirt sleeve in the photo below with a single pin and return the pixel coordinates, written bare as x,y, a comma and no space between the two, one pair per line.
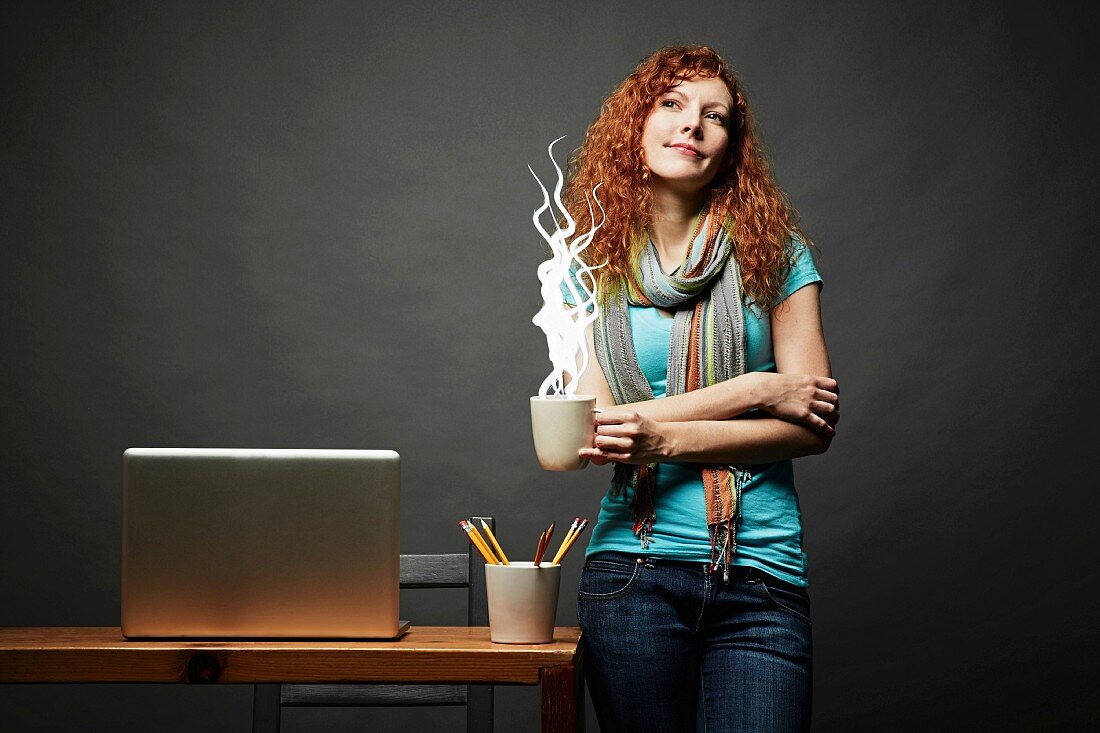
567,296
803,271
574,280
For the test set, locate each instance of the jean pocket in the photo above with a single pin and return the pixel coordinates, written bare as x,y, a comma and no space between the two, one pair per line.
604,579
794,601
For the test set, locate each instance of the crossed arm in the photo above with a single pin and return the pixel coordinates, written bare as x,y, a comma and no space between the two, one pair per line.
709,425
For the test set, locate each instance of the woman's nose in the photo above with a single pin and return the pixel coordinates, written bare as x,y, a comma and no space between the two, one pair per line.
692,128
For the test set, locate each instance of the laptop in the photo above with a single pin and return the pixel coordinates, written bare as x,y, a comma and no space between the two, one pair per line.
257,543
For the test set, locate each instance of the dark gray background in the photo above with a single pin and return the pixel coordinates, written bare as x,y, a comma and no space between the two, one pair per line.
251,224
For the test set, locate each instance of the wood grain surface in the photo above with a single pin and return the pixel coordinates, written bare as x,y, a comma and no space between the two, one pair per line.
425,654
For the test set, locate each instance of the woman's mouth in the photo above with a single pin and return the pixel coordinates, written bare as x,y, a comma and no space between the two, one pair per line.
686,149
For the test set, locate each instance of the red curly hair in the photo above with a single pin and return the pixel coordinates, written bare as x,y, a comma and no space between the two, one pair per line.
743,191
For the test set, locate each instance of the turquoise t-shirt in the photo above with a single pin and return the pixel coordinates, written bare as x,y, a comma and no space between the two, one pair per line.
769,535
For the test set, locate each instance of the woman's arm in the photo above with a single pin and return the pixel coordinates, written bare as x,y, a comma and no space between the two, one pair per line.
718,402
628,435
738,442
798,344
790,396
593,381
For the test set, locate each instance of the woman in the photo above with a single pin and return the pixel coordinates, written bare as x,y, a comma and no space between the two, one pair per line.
695,580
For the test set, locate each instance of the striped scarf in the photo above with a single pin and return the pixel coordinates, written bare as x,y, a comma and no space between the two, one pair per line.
707,346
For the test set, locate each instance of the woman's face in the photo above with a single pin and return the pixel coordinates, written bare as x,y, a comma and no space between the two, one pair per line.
686,134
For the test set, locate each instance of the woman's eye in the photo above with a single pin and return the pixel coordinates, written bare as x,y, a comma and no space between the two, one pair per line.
716,116
668,102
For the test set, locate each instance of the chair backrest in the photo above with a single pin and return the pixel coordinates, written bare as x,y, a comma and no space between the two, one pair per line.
417,571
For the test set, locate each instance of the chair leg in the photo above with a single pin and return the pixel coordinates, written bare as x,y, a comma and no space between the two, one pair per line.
479,709
266,708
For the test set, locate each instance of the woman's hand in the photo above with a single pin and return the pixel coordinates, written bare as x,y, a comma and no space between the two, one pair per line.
801,398
625,436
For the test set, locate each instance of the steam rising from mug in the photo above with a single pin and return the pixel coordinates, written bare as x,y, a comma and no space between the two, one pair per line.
565,327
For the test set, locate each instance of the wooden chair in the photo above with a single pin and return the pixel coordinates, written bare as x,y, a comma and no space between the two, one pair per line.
417,571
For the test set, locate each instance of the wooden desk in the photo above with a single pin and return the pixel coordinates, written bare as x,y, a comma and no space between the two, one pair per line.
427,654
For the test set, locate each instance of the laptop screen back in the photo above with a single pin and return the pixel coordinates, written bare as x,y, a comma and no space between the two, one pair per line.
260,543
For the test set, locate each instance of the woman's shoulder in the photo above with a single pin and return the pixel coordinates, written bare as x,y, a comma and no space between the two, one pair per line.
802,269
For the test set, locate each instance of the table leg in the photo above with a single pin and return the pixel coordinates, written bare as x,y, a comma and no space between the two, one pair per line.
563,698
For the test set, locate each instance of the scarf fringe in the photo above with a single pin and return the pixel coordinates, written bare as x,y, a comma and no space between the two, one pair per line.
723,535
641,480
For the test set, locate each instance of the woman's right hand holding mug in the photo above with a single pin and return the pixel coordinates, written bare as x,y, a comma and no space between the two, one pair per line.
800,398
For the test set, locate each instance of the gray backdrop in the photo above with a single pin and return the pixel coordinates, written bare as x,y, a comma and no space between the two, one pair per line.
252,224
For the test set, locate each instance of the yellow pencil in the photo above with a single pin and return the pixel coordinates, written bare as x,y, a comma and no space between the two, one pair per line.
479,543
565,540
499,549
580,528
468,529
482,541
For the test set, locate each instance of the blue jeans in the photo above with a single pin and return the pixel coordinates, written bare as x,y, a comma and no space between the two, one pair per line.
668,646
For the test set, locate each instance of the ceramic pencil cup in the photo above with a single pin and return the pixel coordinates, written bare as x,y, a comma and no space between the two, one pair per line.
523,601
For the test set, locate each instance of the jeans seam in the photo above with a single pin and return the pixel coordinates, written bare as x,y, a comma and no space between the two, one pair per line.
703,692
784,606
703,605
610,565
698,625
614,594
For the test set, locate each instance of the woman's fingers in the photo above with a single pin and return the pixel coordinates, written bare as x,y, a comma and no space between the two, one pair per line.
822,425
599,457
623,424
617,430
819,415
607,442
824,413
617,435
615,417
596,457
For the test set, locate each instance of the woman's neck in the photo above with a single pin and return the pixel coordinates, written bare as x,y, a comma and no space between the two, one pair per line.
673,215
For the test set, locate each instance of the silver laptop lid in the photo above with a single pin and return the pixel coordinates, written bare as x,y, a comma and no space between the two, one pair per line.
228,542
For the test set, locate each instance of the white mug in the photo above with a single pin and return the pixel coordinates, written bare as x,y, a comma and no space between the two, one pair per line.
561,426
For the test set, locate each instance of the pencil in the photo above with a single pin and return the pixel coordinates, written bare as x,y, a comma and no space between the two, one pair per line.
467,527
565,540
475,533
499,549
580,528
538,548
545,542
